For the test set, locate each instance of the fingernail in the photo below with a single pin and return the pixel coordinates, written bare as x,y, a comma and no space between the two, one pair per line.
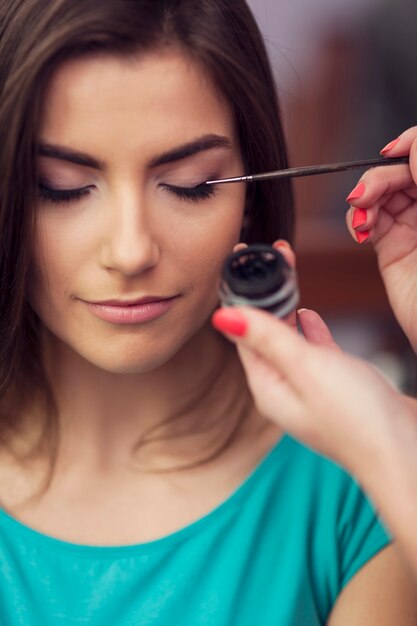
357,192
362,236
390,145
281,243
231,321
359,217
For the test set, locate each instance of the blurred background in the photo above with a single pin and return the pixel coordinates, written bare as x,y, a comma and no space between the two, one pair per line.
345,72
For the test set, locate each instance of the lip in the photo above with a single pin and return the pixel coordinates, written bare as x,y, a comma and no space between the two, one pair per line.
133,311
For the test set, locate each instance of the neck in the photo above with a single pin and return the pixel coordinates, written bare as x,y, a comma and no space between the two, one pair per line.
175,415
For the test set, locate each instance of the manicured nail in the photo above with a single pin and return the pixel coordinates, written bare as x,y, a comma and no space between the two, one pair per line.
359,217
281,243
357,192
362,236
390,145
231,321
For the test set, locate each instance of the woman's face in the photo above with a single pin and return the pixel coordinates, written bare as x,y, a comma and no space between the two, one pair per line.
122,143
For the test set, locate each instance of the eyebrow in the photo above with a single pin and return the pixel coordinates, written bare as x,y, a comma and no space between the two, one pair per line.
207,142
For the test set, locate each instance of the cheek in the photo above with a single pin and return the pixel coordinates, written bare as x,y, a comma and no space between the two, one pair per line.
201,254
57,253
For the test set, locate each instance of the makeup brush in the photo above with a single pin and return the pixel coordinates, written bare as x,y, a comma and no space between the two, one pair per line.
312,170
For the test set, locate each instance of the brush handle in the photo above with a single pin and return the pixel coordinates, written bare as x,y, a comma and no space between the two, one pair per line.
312,170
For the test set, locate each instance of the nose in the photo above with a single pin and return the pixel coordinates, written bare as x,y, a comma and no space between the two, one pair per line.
129,246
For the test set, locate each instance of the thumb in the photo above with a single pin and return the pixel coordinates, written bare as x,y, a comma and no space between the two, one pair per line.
314,329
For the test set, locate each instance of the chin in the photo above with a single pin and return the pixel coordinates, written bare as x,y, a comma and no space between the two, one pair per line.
123,352
132,366
133,359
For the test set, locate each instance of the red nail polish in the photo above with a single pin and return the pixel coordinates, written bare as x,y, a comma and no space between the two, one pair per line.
390,145
231,321
357,192
359,217
362,236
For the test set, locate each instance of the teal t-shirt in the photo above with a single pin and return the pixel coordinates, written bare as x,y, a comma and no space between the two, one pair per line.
277,552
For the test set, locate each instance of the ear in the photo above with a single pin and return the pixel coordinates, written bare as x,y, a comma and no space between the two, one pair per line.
286,250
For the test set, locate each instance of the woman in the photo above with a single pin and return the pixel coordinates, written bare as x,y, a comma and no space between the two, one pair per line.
322,396
138,481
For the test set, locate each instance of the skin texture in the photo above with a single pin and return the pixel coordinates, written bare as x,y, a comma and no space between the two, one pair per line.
130,237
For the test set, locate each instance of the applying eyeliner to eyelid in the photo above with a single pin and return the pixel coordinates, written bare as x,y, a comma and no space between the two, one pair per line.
193,193
311,170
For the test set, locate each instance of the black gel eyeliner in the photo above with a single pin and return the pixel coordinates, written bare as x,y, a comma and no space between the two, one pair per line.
259,276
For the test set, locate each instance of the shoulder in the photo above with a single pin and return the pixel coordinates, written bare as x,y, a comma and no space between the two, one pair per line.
330,525
295,468
321,491
382,593
312,491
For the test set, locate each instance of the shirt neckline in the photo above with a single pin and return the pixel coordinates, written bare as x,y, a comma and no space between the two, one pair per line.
229,505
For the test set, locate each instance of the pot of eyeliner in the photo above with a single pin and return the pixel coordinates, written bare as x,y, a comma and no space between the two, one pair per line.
259,276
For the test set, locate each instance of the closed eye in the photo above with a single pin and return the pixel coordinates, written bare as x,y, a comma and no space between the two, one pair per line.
62,195
192,194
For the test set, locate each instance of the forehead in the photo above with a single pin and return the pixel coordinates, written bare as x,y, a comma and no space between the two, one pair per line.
151,99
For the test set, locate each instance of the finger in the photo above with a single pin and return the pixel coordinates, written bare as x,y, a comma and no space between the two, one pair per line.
381,180
266,335
379,218
360,220
260,370
314,329
379,183
240,246
284,247
405,144
400,146
272,392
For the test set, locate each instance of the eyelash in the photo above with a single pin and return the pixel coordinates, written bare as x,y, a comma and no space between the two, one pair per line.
58,196
191,194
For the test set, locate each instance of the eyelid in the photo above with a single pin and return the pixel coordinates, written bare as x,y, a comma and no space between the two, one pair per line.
193,193
59,196
182,187
45,183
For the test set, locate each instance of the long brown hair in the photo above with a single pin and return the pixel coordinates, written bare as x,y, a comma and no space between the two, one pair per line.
35,37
